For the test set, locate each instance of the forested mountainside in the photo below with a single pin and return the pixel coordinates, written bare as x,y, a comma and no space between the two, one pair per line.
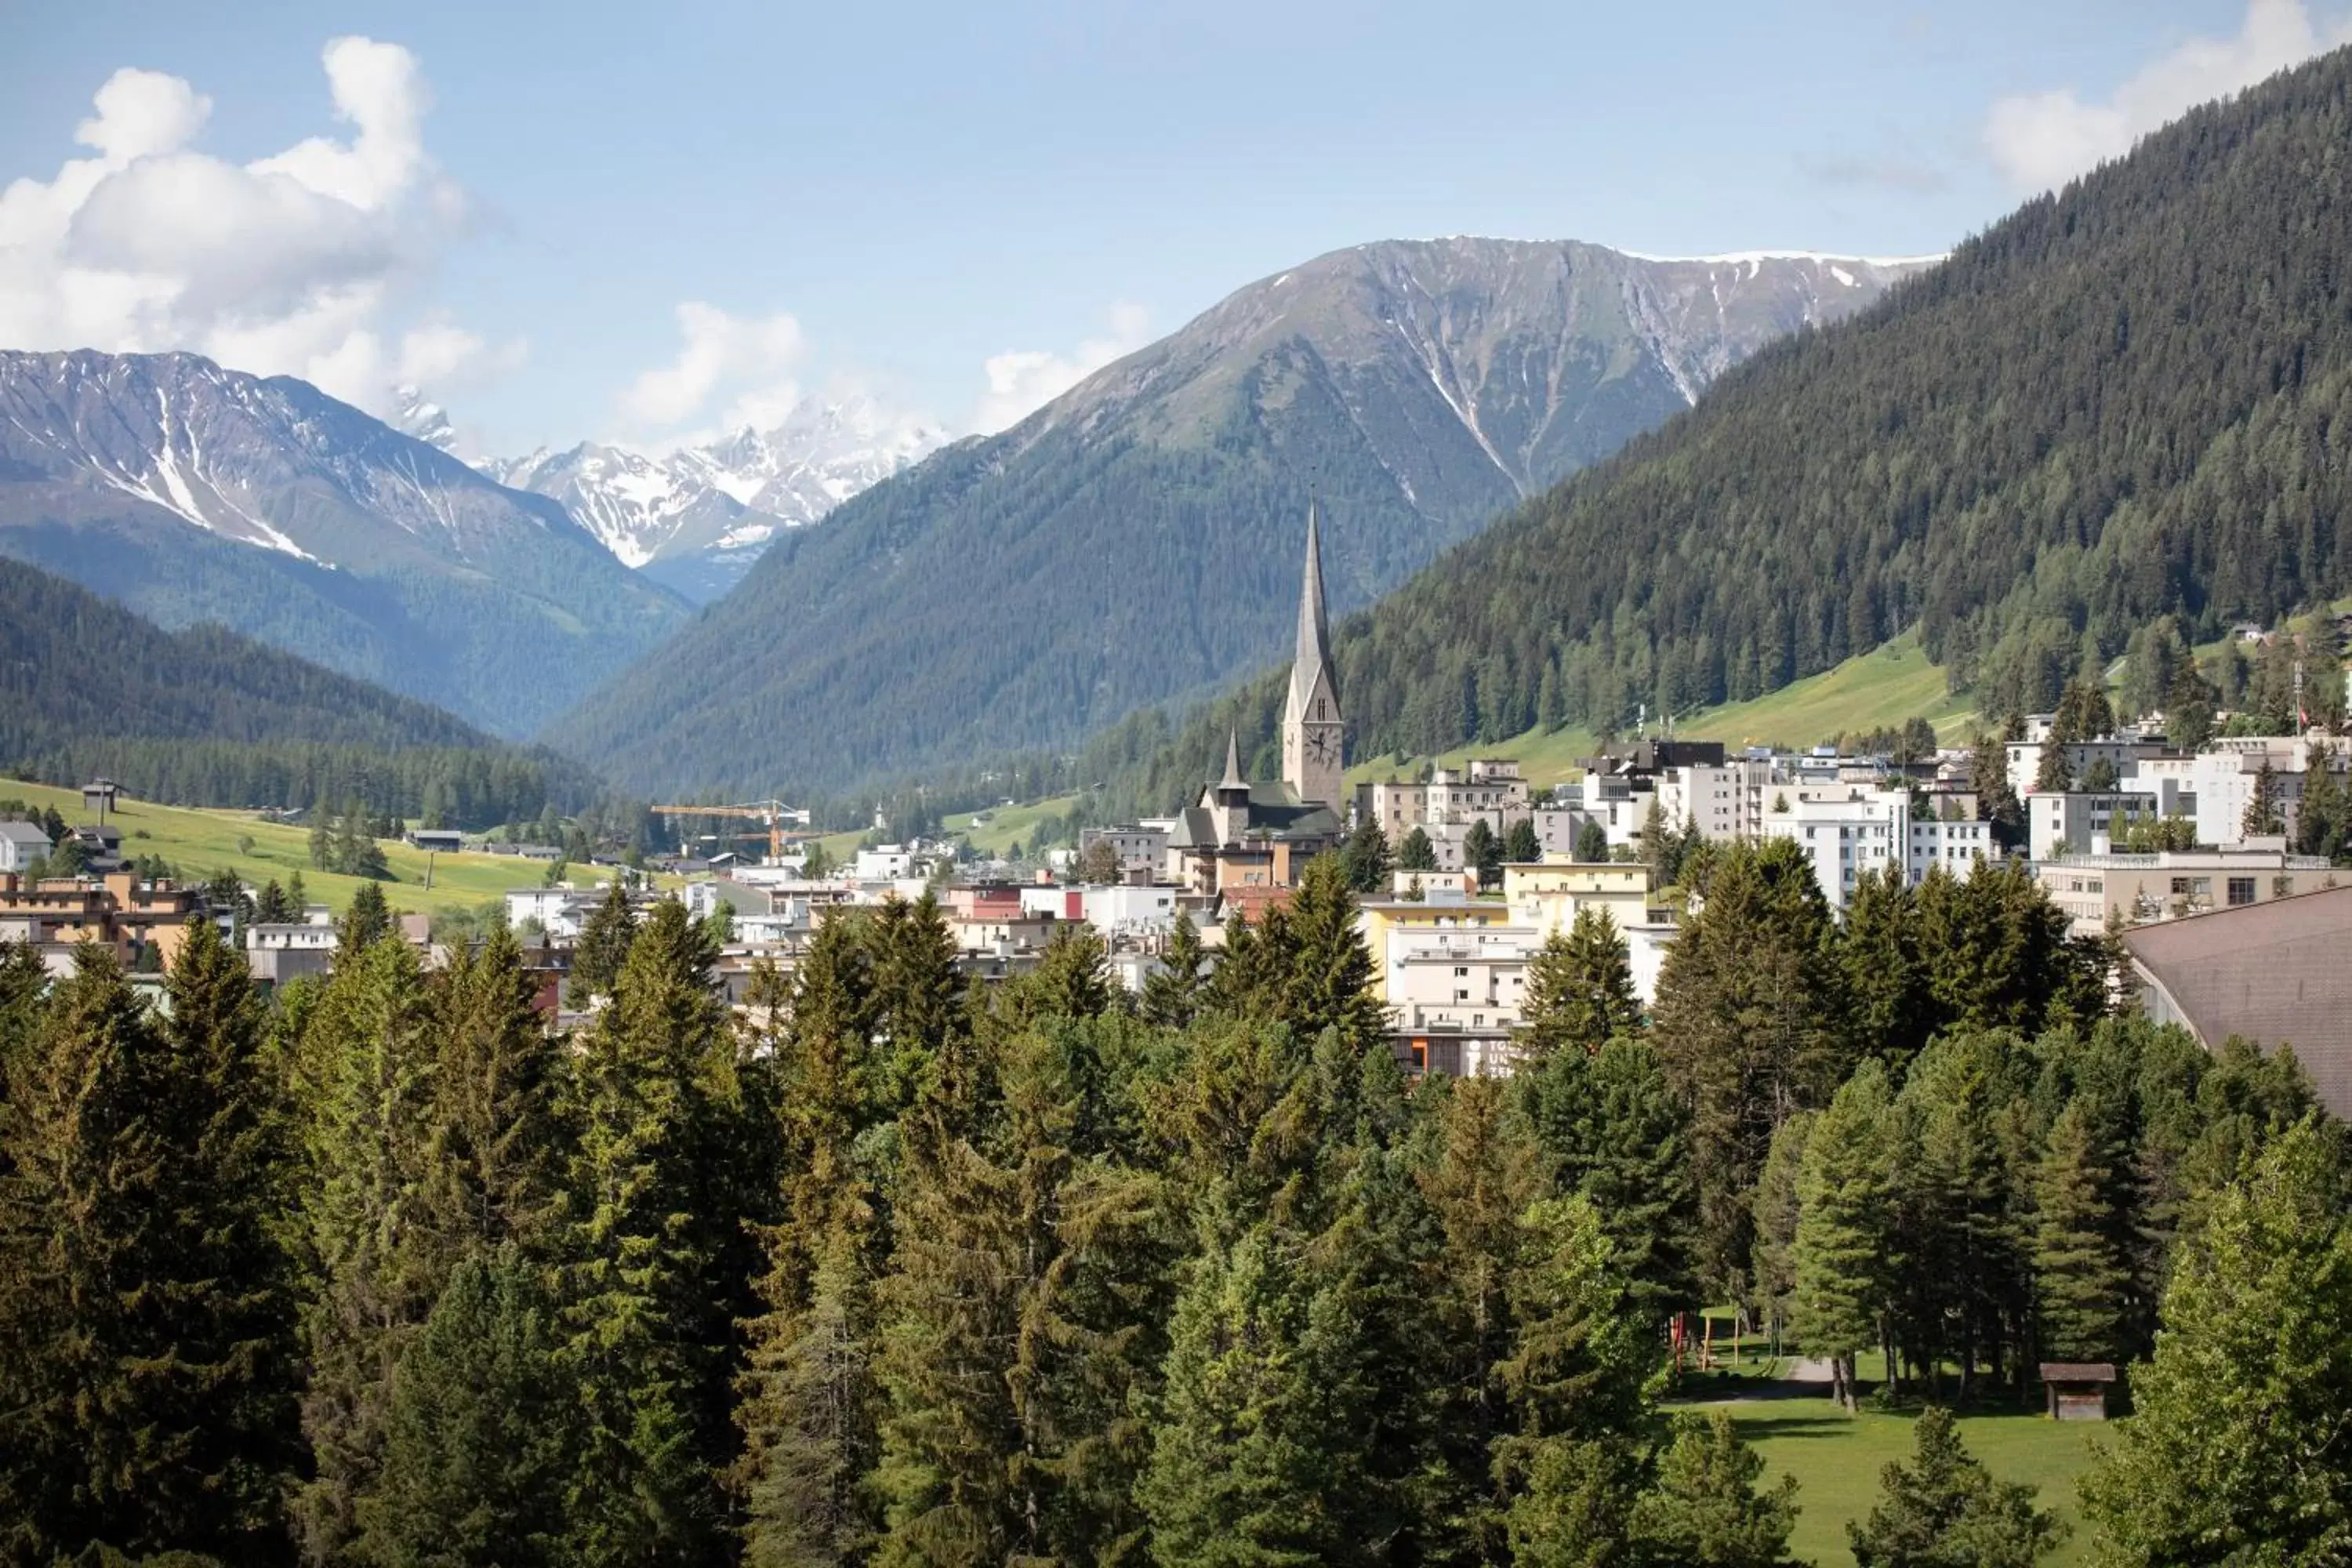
2123,402
1138,538
193,493
207,717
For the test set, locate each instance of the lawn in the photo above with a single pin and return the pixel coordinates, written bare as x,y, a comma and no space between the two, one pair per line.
1836,1460
201,842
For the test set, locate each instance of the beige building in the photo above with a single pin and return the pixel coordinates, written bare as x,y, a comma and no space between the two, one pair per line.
2140,889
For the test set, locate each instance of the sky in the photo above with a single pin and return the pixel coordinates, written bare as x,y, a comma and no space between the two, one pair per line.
651,224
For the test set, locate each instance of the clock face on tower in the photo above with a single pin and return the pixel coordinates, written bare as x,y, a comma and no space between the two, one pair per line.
1322,745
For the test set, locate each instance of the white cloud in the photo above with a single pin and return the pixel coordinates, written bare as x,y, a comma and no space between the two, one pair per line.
749,361
2039,140
1022,381
295,264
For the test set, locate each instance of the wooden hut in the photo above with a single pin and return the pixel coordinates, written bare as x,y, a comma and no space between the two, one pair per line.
2077,1390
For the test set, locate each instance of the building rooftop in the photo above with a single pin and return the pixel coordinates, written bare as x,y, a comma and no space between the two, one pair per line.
2275,972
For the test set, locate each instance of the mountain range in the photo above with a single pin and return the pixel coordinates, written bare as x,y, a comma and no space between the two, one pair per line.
1137,539
193,493
694,518
2125,403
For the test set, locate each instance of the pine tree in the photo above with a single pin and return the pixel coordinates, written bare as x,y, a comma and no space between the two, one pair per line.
1482,853
369,1055
298,897
1330,970
1997,802
366,921
1778,1209
1593,841
2080,1282
1878,951
1415,853
1579,990
350,834
477,1432
1071,979
1944,1509
1171,994
604,946
1256,1456
650,1309
272,907
2054,774
1365,859
1841,1257
2262,814
322,837
1751,1023
1964,1256
1634,1165
1703,1509
146,1376
495,1159
2233,1453
2323,819
1520,844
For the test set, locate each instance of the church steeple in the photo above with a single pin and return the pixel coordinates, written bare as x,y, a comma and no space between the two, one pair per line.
1312,732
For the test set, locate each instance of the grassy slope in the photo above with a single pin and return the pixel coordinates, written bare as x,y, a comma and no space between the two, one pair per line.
1881,688
203,842
1005,823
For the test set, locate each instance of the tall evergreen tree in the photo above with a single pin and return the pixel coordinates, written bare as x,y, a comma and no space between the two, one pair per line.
1520,844
1579,990
1365,860
496,1153
1704,1508
370,1053
603,945
2082,1282
1415,852
1482,852
1751,1023
477,1431
146,1374
1777,1207
1171,994
647,1311
366,921
1842,1256
1878,951
2262,814
1328,984
1593,841
920,1017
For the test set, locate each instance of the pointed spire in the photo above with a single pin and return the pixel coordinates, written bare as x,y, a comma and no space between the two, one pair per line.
1233,762
1314,652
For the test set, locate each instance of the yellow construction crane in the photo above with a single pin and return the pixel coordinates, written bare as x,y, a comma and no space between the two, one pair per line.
773,814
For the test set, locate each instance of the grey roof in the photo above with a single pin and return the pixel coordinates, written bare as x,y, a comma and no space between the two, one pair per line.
24,832
1274,812
2275,972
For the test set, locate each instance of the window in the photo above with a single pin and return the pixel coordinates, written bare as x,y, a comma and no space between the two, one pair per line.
1461,970
2242,890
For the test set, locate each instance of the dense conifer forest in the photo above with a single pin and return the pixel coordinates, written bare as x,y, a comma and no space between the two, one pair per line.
2122,402
882,1268
206,717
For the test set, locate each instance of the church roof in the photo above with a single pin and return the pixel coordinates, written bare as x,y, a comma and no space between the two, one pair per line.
1312,655
1276,811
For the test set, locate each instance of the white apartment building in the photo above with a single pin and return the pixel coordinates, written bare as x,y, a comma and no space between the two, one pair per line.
2078,821
1846,834
1726,802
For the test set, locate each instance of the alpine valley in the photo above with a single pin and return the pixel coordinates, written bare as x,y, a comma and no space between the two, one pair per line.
191,493
1113,550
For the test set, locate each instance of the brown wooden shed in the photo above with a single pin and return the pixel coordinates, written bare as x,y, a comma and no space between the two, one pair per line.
2077,1390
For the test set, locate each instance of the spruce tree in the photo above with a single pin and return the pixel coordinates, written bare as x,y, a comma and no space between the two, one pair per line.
1482,852
603,945
1593,841
1171,994
1944,1509
2082,1283
272,908
477,1437
650,1309
366,921
1579,991
1365,858
496,1153
351,833
322,837
1777,1208
1520,844
1704,1509
1329,985
1634,1165
920,1017
1256,1457
1415,853
2262,814
369,1053
146,1374
1878,951
1841,1257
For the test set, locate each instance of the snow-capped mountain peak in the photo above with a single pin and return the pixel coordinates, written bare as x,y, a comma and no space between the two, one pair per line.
696,516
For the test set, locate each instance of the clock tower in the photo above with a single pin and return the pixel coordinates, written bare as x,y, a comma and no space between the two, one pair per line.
1311,726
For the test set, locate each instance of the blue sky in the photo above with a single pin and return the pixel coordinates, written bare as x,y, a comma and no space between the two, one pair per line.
895,195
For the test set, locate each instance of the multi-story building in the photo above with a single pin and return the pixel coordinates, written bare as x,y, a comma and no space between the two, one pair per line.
145,922
2138,889
21,844
1846,832
2078,822
1726,800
